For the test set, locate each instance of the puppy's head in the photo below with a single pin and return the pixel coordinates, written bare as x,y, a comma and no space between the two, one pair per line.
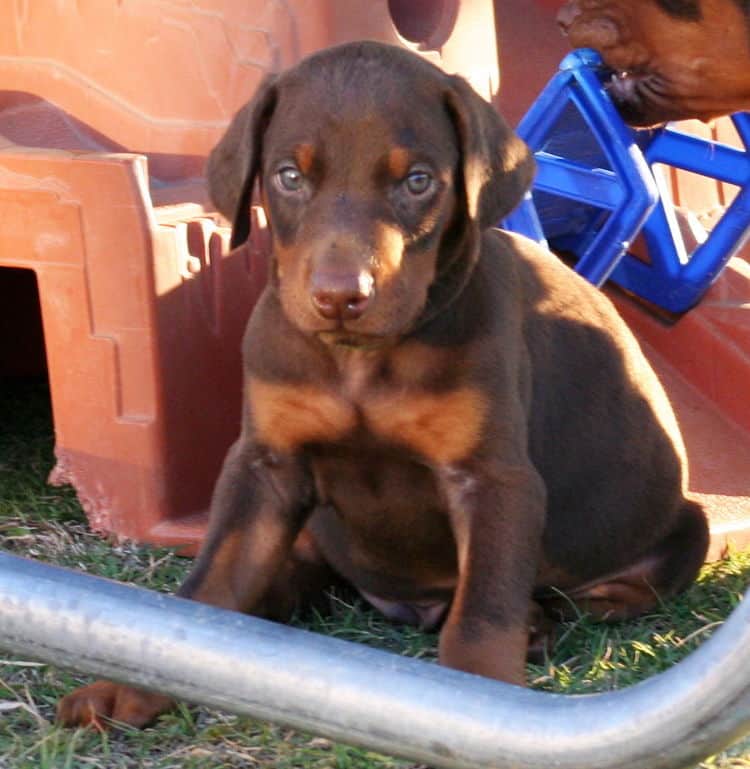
378,173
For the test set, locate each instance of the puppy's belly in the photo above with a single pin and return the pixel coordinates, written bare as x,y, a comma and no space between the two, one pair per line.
382,527
426,615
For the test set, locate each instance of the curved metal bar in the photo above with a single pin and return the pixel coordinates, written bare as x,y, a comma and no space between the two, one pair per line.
368,697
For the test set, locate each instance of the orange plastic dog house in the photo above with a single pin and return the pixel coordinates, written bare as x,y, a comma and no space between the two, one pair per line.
107,113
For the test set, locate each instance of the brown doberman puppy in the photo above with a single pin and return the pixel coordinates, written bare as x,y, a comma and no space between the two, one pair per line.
673,59
437,413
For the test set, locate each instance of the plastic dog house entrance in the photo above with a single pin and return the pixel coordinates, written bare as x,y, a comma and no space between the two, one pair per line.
21,334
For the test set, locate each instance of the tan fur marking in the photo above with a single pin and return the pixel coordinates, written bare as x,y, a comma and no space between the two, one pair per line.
287,416
444,428
398,162
304,154
390,250
216,588
246,562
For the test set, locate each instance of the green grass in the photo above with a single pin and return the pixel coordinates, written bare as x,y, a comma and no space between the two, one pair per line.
47,523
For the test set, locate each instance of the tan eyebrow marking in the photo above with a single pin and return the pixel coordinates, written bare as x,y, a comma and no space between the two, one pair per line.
304,154
399,161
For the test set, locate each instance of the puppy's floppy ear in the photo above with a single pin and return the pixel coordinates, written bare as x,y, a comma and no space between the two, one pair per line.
498,167
235,161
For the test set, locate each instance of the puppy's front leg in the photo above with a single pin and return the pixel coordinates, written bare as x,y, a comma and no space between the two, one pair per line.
260,503
497,511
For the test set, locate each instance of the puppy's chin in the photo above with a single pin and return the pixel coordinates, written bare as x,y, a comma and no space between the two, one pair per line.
347,339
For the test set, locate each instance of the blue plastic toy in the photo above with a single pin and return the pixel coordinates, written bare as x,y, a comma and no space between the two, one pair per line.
595,190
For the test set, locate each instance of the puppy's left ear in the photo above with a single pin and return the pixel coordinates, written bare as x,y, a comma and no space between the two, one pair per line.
497,166
235,161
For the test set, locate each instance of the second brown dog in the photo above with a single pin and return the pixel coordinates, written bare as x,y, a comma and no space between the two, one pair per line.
673,59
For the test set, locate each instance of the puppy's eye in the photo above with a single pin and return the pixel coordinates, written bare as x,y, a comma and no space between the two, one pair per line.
290,179
418,182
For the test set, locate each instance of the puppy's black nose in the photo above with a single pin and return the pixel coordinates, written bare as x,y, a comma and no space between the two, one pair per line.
338,296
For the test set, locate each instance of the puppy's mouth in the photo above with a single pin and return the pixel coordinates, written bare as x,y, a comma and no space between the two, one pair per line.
341,337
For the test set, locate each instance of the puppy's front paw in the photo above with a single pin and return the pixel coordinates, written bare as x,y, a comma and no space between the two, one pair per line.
486,651
103,702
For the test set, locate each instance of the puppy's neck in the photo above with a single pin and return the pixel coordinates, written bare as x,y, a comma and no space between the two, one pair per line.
407,365
359,368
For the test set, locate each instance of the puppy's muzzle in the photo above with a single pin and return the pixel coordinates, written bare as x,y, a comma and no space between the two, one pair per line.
341,296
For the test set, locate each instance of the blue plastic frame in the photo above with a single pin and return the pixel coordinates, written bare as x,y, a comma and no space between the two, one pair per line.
674,279
626,190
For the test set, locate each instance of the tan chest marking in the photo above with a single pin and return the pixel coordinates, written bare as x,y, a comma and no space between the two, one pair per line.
443,427
287,416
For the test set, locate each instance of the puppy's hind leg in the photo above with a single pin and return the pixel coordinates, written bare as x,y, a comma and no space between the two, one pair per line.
660,573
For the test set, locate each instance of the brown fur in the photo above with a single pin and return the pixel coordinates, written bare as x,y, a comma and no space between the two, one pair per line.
447,419
684,58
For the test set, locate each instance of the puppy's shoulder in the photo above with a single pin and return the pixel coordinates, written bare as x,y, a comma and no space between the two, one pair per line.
535,263
548,285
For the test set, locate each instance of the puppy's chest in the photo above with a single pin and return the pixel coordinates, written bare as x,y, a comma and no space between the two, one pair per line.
440,427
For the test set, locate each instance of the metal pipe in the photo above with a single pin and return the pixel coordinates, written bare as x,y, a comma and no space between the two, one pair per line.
368,697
